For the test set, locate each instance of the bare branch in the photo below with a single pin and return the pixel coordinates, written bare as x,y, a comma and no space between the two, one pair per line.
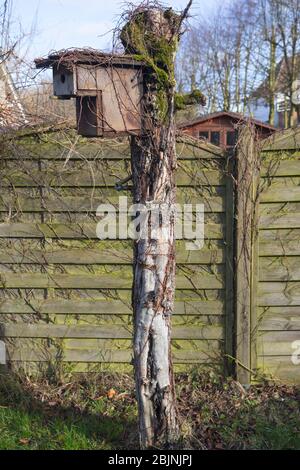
184,14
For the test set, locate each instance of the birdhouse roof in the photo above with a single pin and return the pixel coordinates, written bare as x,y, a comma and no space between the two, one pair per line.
70,57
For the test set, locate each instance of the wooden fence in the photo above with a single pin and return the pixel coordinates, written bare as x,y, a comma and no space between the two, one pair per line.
66,295
275,329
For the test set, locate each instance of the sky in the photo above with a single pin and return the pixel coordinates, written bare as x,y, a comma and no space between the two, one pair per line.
60,24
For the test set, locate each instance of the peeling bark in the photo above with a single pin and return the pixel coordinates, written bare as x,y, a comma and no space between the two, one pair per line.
153,296
153,35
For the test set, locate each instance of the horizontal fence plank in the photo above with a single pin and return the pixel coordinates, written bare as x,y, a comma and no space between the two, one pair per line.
280,208
277,343
107,177
280,248
103,307
279,220
84,203
279,293
93,331
283,322
279,269
284,142
280,367
281,193
107,356
279,311
83,231
107,255
124,295
61,150
201,280
281,235
284,167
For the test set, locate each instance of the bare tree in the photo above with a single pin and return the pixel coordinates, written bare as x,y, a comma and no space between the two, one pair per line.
218,51
287,15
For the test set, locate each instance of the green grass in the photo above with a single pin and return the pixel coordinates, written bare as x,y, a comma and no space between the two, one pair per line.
215,413
75,420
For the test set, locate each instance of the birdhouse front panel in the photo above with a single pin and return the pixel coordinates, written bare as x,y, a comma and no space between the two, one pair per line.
120,94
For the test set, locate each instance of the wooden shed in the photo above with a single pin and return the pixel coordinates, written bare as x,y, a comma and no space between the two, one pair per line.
221,128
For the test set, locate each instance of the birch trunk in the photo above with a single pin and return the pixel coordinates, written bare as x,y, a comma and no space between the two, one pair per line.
153,35
153,294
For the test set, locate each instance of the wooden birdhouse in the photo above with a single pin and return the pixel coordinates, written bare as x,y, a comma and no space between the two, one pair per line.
107,88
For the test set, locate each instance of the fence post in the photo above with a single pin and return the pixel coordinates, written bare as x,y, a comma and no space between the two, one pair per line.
229,276
246,259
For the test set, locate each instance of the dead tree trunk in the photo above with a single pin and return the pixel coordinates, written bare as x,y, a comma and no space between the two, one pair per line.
152,35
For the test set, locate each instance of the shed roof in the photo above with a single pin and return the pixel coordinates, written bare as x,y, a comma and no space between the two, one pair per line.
235,116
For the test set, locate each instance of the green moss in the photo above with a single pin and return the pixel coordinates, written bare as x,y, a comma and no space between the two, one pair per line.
156,52
190,99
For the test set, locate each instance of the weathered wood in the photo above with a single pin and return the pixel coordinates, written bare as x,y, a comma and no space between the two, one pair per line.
278,311
280,235
58,149
229,272
26,330
282,369
100,178
35,169
284,322
280,221
278,248
82,231
282,193
279,293
106,255
104,356
288,139
255,262
247,174
286,167
85,203
280,269
277,343
106,307
201,280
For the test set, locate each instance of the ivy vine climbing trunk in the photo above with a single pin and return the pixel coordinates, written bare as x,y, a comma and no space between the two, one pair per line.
151,35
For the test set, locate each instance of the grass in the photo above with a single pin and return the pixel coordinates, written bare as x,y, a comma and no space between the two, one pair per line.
99,412
74,416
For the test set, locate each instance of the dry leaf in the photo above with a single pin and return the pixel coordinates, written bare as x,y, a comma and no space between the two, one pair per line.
122,395
111,393
24,441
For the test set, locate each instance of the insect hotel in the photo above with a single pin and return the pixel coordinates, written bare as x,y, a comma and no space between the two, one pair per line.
107,90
